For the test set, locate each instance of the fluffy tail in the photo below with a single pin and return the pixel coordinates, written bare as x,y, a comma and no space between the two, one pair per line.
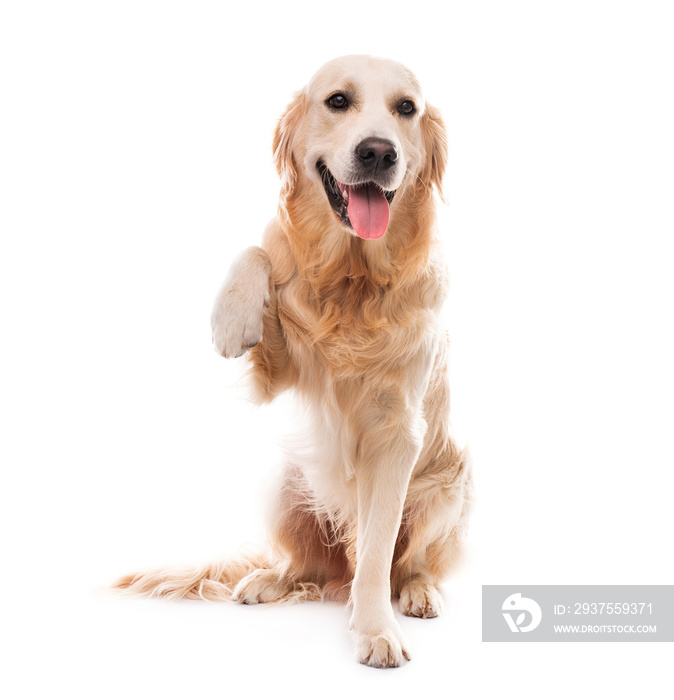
214,581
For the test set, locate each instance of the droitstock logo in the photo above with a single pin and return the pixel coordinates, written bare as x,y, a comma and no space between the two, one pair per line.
515,609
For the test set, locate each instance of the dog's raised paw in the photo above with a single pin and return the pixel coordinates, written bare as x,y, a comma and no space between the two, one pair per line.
237,319
420,598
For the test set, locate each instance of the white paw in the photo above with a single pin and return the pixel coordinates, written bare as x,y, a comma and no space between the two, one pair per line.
260,586
420,598
381,646
238,313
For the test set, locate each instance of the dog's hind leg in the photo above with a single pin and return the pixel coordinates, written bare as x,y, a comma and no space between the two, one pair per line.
310,560
417,589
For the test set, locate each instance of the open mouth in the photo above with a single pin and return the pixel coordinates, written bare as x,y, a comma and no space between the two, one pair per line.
363,207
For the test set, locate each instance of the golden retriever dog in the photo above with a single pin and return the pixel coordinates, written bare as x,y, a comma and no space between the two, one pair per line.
341,304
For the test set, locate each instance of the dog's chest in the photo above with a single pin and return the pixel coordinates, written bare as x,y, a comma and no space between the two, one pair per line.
356,340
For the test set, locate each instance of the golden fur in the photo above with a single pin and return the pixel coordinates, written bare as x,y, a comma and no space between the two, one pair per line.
375,499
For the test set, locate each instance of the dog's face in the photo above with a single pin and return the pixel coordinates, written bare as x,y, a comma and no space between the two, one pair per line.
359,132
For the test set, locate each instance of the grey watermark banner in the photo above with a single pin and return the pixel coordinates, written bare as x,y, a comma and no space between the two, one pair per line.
578,613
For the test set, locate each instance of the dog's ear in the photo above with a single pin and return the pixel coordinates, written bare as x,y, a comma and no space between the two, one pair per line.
435,144
284,142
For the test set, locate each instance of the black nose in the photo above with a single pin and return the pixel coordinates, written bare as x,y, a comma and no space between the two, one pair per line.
376,154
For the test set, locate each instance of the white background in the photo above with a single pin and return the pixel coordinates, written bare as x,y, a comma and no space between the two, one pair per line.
135,162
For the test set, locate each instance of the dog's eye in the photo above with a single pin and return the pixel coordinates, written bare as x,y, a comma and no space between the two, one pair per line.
406,107
338,101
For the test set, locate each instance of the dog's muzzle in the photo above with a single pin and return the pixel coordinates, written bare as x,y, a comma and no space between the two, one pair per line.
363,205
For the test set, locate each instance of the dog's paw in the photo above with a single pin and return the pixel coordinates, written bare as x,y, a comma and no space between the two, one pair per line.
380,644
384,649
236,321
261,586
420,598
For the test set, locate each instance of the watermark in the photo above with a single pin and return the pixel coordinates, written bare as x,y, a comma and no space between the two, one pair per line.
577,613
515,604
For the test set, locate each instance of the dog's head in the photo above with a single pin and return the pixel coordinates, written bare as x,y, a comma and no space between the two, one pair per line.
356,135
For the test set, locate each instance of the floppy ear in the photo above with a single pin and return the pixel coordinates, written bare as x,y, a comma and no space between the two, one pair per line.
284,141
435,144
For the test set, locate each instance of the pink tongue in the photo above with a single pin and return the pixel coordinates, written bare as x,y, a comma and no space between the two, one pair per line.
368,211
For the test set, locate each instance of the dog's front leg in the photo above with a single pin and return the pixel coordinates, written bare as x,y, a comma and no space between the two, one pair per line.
388,452
238,312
